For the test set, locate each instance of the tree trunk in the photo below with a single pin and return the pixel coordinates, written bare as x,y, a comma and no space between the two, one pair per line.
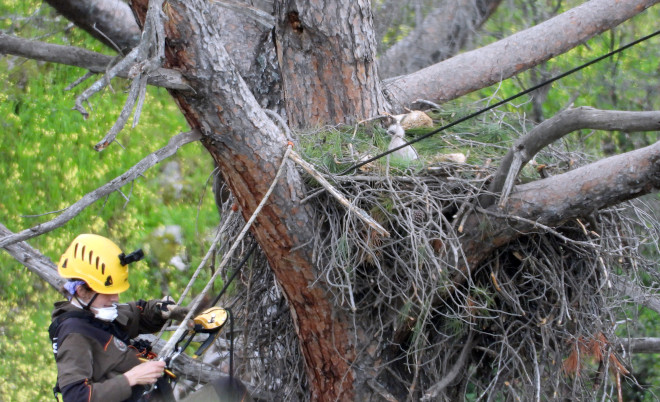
248,149
327,51
490,64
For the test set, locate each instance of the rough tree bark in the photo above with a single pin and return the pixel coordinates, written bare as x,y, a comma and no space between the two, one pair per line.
562,123
552,201
327,52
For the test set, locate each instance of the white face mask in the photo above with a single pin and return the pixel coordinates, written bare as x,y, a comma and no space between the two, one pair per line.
106,313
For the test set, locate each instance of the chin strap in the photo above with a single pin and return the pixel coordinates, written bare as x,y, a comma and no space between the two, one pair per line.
89,304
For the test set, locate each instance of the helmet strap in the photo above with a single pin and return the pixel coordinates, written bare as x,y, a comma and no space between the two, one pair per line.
89,303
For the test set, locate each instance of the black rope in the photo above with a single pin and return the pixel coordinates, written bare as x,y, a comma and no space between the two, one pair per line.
500,103
231,344
233,275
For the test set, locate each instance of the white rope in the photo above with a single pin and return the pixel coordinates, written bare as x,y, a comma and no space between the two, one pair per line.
206,257
169,346
197,271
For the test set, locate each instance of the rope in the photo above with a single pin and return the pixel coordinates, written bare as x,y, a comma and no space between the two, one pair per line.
197,272
169,346
206,257
500,103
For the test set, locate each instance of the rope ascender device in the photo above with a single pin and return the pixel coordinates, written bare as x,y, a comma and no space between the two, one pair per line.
212,321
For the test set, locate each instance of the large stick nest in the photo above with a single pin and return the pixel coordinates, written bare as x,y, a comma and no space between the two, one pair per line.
540,317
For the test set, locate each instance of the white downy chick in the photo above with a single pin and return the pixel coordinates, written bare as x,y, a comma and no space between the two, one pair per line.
398,139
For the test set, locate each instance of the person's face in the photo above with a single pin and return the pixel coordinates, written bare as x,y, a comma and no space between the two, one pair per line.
102,300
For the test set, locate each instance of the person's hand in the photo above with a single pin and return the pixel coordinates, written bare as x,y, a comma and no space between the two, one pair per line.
171,311
145,373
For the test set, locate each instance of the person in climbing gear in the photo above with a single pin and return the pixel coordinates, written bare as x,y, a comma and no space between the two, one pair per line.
92,331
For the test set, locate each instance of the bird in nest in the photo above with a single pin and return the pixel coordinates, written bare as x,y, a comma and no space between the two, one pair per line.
398,138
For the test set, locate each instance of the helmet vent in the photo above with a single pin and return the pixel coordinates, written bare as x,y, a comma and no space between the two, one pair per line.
75,251
64,263
90,258
82,253
97,262
102,268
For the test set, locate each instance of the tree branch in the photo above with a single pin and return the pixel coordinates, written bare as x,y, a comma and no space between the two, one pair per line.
88,199
110,21
565,122
456,369
444,31
32,260
92,61
636,293
641,345
490,64
554,200
184,365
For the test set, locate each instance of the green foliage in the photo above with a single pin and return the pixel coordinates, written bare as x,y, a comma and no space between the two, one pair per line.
626,81
48,162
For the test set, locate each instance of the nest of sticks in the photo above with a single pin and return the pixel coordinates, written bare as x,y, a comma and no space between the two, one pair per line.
542,316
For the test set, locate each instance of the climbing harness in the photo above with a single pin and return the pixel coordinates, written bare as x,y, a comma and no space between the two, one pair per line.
500,103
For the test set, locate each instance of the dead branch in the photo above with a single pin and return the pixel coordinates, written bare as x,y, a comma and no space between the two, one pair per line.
110,21
636,293
451,376
137,89
641,345
323,182
576,193
71,212
443,32
565,122
32,260
92,61
141,60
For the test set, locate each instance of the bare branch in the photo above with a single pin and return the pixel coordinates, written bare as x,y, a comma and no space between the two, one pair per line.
444,31
453,373
554,200
92,61
110,21
142,60
641,345
342,200
32,260
150,160
636,293
565,122
490,64
137,92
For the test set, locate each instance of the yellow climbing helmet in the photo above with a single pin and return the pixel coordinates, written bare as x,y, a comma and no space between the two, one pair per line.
99,262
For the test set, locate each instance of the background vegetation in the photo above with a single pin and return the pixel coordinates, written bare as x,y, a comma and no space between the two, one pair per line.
48,162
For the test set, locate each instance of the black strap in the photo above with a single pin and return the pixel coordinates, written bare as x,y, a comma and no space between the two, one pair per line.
88,318
110,327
